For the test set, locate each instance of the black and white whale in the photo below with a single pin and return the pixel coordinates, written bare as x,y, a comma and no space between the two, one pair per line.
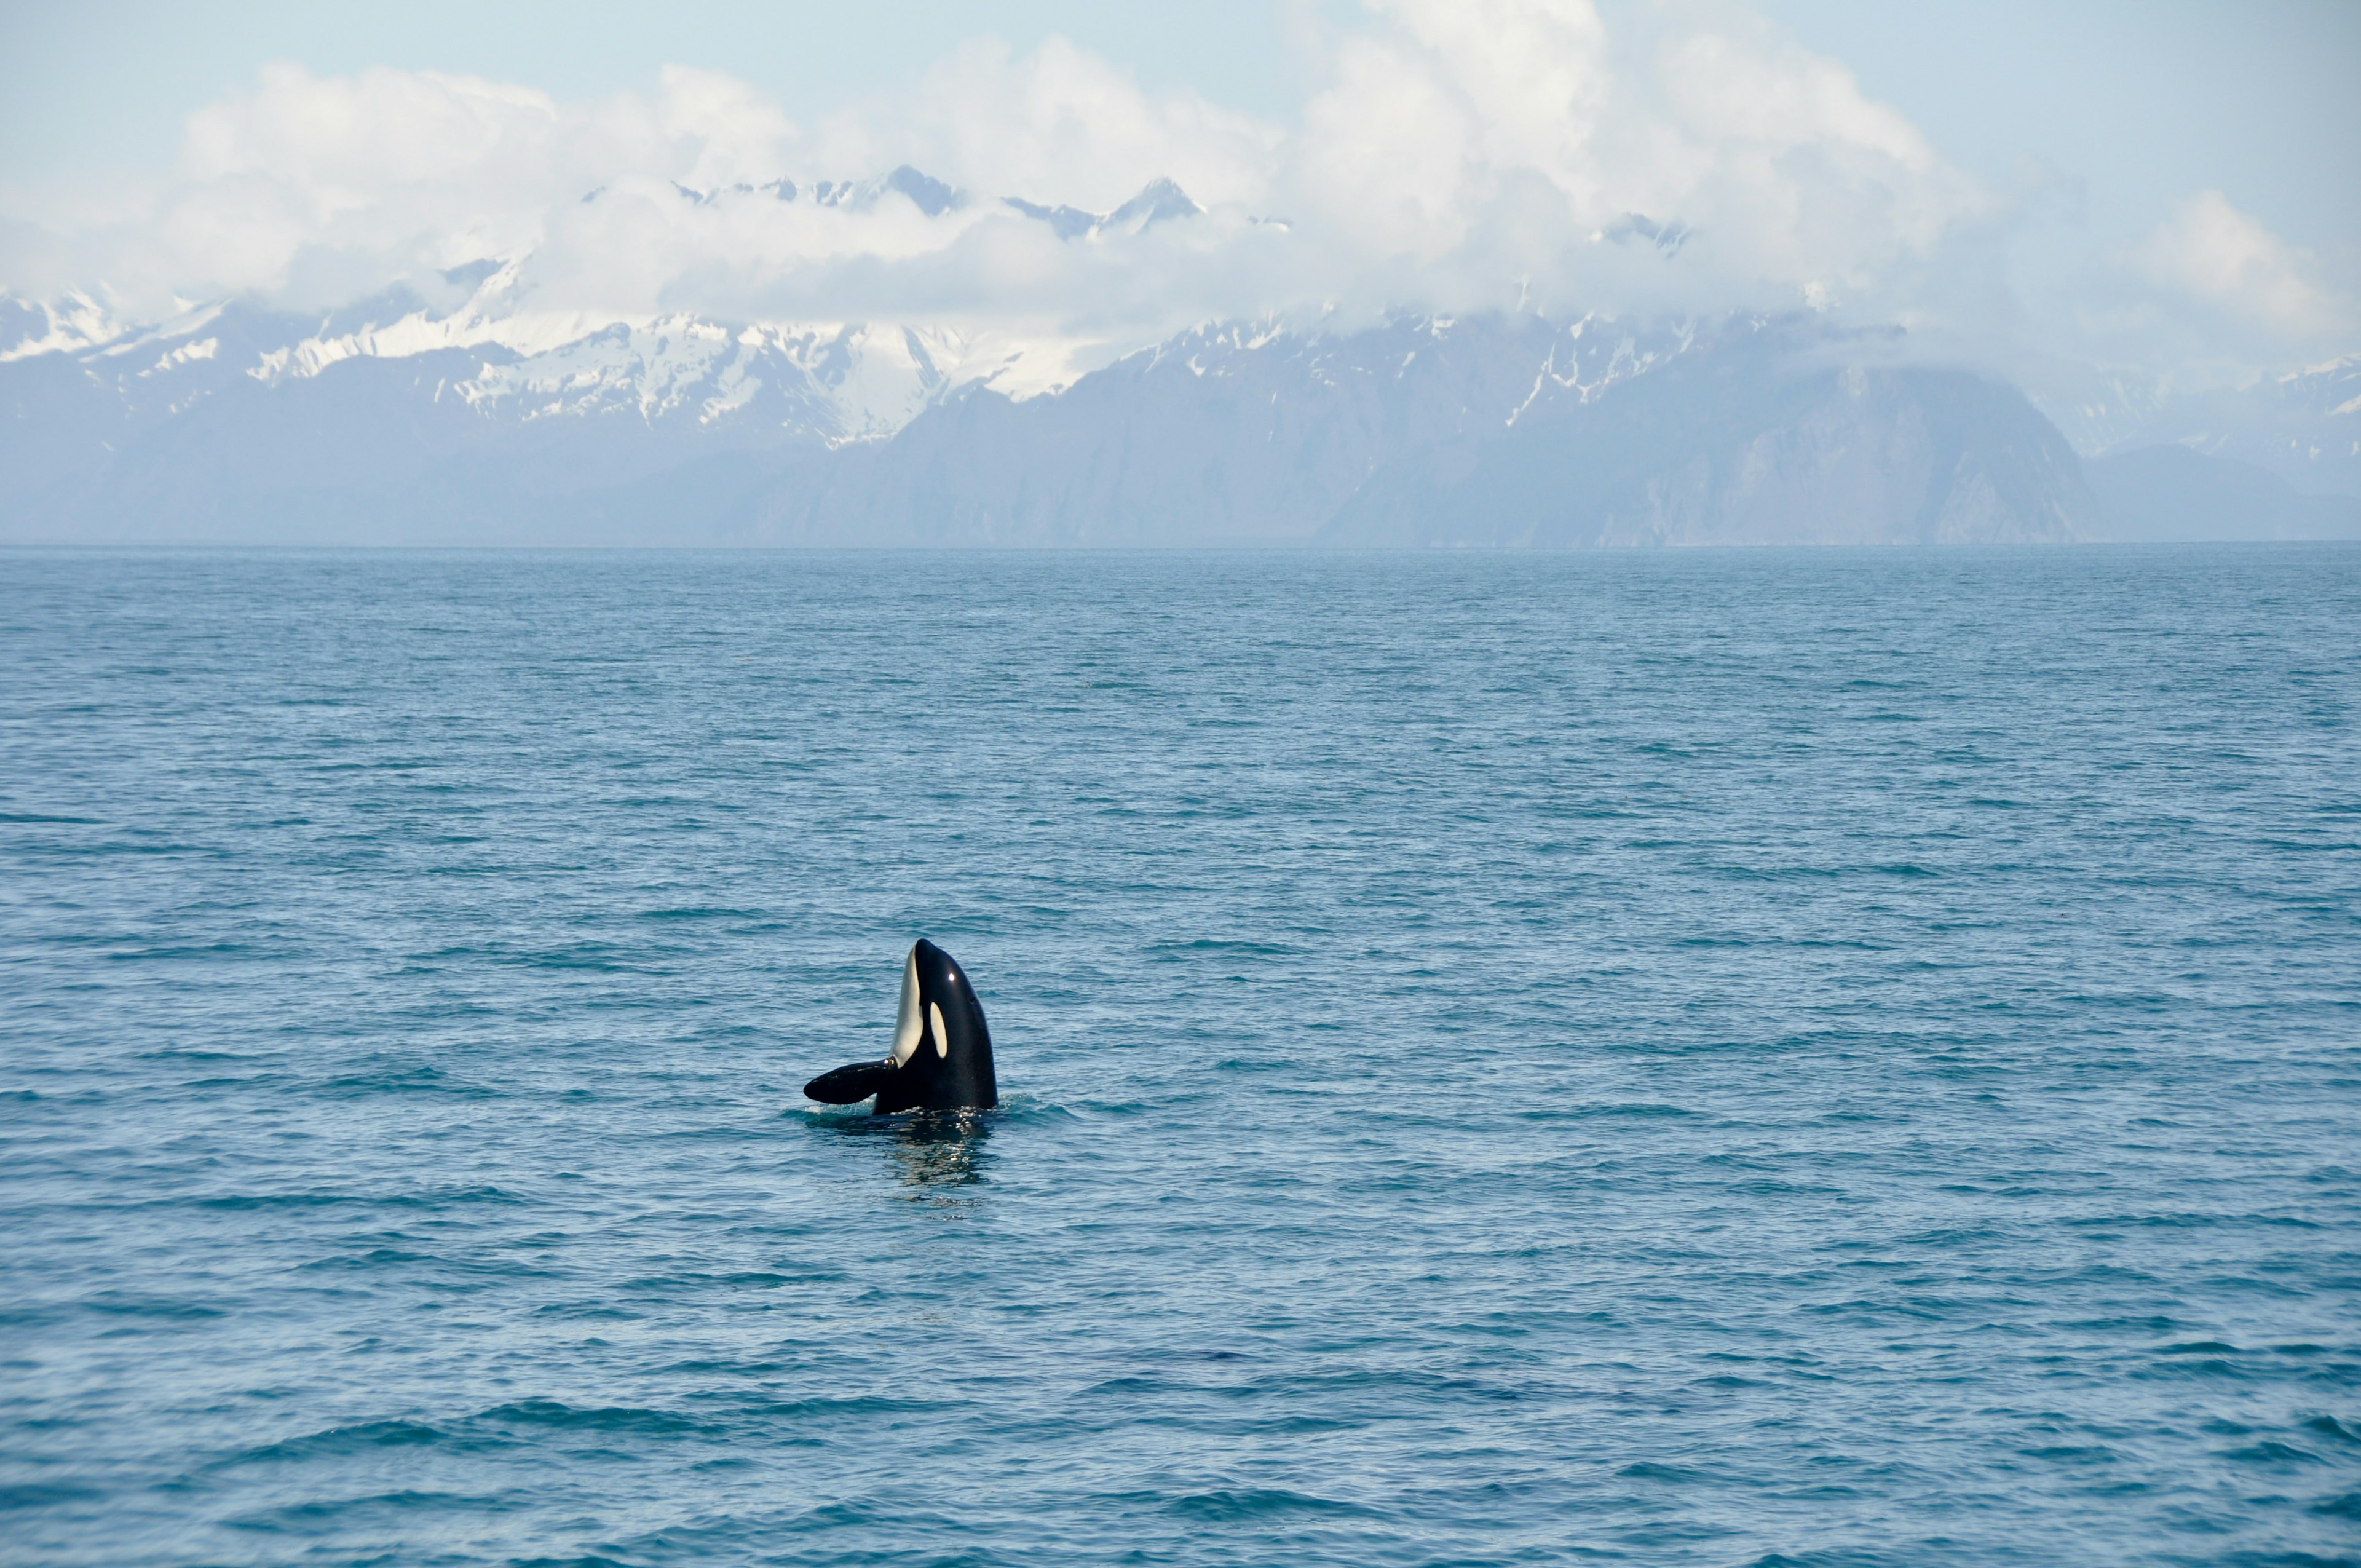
942,1052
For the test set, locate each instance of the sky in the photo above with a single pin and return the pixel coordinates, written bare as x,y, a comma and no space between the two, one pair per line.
2164,186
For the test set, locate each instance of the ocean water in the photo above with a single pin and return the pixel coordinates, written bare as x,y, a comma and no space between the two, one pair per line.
1804,1057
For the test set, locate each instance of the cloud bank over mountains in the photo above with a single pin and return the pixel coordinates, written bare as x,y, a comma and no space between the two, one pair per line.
1517,154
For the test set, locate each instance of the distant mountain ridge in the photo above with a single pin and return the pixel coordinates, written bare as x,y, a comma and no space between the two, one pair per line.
836,380
2177,493
2302,425
456,412
1491,432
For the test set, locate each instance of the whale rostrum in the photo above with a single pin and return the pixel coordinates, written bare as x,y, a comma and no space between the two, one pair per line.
941,1058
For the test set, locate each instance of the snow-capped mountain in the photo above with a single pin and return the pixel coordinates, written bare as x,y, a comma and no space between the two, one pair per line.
2303,426
461,409
829,380
1161,202
1424,430
1490,431
833,381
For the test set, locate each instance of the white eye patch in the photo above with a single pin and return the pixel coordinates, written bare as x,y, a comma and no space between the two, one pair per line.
935,1017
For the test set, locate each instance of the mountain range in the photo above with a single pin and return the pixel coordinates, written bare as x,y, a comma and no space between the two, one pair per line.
456,412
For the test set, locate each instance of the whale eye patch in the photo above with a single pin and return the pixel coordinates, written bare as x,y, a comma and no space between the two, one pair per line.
935,1017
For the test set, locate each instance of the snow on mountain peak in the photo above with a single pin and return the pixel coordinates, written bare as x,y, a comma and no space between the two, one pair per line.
923,191
832,381
72,323
1157,201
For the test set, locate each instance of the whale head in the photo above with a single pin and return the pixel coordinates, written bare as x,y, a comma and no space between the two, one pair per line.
941,1058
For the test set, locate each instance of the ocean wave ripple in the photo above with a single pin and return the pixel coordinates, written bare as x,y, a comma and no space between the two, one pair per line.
1754,1057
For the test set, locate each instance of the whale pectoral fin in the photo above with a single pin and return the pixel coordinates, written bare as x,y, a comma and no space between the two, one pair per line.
847,1085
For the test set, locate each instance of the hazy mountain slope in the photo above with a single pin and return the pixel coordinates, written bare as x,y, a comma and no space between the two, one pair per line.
1230,434
1755,439
235,426
394,420
2173,493
1493,432
2303,426
365,452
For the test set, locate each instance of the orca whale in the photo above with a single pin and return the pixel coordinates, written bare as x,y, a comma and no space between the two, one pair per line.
942,1052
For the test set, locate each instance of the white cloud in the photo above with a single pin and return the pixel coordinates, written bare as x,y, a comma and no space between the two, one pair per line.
1485,143
1460,153
2213,252
1059,124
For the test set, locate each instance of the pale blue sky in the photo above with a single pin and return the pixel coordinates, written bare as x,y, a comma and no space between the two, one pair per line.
2141,100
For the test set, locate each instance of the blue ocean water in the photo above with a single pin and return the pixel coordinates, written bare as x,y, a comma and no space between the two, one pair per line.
1761,1057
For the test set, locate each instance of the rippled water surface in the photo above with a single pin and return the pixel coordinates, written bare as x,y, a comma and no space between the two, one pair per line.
1805,1058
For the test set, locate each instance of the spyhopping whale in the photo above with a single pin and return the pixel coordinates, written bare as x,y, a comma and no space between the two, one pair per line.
942,1052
